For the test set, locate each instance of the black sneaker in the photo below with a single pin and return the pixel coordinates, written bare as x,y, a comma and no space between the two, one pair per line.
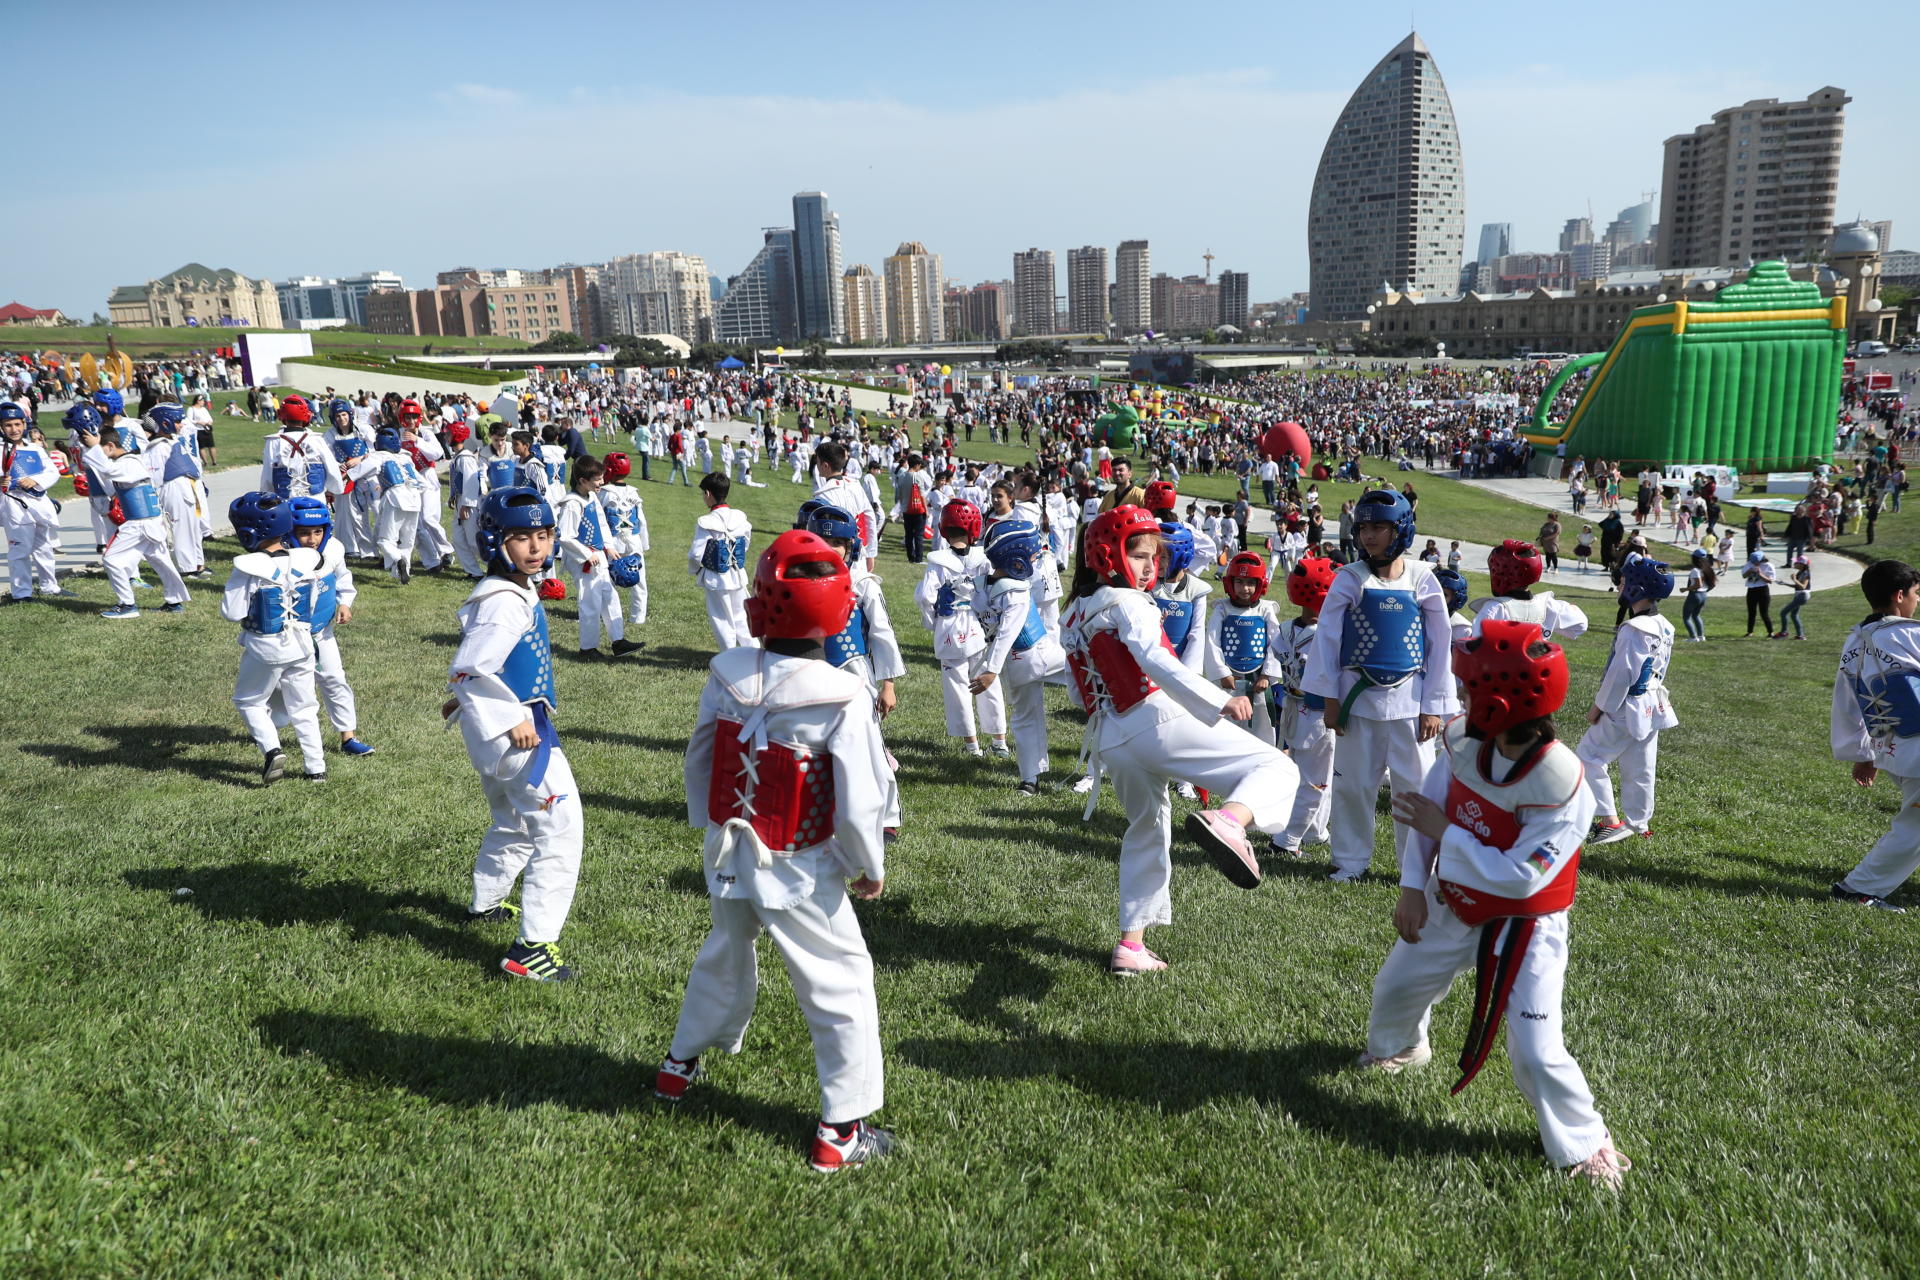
274,768
540,963
1843,894
621,648
499,913
176,607
406,572
1029,788
832,1153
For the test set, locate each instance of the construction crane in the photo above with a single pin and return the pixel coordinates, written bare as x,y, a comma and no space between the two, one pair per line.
1208,255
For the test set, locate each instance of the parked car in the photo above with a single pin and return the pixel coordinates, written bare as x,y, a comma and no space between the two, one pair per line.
1868,349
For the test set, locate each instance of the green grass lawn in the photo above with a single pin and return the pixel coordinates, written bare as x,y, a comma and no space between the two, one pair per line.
143,343
310,1067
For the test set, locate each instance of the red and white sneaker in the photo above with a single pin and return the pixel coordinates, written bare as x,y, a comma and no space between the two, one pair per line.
1226,840
1418,1056
1609,832
1604,1167
832,1153
670,1085
1129,962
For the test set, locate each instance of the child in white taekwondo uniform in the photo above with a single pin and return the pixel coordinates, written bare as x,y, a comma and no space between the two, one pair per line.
1151,720
718,557
1182,596
1631,707
628,540
401,495
423,449
1487,880
1021,652
276,645
1876,725
1453,584
950,591
834,485
321,599
113,459
584,554
1046,585
173,455
503,700
32,522
353,505
296,463
786,774
1243,639
107,406
1304,735
1382,662
466,485
1513,567
867,645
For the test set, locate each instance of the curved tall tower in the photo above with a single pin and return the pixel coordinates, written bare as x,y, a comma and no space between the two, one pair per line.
1390,197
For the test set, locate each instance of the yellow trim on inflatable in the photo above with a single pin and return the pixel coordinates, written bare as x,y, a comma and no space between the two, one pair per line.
1838,305
1680,316
1666,319
1750,317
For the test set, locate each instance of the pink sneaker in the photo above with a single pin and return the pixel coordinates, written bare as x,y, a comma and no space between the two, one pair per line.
1129,962
1604,1167
1226,840
1418,1056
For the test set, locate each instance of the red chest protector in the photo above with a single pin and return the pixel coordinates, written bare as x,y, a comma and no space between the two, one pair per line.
1493,812
784,792
1106,672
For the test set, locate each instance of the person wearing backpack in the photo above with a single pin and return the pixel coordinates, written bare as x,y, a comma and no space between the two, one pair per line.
913,507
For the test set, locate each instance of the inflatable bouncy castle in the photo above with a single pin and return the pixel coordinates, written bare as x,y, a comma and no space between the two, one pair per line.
1749,380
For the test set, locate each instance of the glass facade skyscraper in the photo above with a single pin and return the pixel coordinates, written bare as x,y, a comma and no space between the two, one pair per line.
818,293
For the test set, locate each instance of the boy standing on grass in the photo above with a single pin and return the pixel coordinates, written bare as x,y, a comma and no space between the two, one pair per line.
28,515
786,774
1631,706
718,557
112,457
1491,872
1876,724
276,644
503,697
583,552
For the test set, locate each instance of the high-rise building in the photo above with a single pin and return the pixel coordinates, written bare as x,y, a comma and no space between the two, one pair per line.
661,292
1758,181
596,318
864,303
1592,260
1578,231
1033,291
1233,298
984,312
1132,287
759,303
1185,304
1389,199
310,302
531,310
915,295
1087,289
1496,241
816,267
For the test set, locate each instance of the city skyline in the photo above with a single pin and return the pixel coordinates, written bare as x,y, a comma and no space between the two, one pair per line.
1541,139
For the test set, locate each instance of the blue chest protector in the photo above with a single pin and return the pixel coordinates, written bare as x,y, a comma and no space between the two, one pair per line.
1176,620
29,464
528,670
1385,637
556,471
850,641
267,614
1032,631
181,463
316,473
500,473
316,600
395,474
138,500
590,527
1243,642
721,554
623,518
1889,703
349,449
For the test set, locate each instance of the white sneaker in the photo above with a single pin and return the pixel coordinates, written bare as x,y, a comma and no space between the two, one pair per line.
1605,832
1083,785
1418,1056
1346,877
1186,792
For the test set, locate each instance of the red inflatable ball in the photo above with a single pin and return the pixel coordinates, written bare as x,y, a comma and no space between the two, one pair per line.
1286,439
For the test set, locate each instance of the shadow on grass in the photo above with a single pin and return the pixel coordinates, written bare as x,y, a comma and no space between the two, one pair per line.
1171,1076
640,742
279,894
1007,961
467,1072
160,746
679,657
667,810
445,639
1791,882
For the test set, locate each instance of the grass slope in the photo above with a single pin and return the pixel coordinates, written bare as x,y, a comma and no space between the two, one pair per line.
309,1067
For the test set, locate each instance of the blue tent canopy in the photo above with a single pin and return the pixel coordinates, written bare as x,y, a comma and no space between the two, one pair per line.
731,362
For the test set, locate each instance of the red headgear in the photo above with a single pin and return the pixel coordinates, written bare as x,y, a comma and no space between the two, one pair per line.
961,515
1511,675
553,589
784,606
459,434
1106,545
1513,566
409,408
1311,579
1161,496
619,466
295,411
1250,565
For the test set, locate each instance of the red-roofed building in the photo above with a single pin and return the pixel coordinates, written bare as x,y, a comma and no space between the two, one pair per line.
16,313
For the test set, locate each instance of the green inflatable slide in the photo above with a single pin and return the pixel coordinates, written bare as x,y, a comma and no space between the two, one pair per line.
1750,380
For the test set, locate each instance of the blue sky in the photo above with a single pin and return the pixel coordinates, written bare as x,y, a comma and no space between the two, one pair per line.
329,139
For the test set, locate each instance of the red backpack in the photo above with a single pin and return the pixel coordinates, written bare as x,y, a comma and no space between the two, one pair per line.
916,500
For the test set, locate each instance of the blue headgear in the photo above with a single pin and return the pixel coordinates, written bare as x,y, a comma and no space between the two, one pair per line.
1176,542
259,518
504,510
82,417
388,439
168,417
109,400
829,521
1454,583
807,508
11,412
1011,546
1644,578
1390,506
312,513
338,406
